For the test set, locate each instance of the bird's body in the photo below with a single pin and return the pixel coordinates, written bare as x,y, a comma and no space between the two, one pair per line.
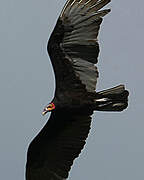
73,49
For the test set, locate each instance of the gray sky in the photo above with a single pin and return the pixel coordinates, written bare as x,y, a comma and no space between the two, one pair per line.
115,147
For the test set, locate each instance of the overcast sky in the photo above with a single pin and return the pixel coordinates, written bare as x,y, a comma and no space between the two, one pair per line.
115,147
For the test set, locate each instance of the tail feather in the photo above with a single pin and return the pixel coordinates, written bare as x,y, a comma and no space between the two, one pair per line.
113,99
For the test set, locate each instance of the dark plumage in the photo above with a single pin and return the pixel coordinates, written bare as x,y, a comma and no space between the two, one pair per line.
73,48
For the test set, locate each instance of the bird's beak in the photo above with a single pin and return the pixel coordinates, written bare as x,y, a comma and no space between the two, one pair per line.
45,111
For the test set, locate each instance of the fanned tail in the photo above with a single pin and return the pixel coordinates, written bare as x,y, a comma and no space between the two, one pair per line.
113,99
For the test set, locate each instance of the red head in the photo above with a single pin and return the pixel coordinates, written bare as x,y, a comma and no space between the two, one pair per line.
48,108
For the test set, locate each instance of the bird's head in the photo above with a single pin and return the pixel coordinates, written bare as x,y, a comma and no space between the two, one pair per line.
48,108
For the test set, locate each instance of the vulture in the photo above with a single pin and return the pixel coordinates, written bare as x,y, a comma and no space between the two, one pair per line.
73,49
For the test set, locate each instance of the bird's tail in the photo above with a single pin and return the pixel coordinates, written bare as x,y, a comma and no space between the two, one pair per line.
114,99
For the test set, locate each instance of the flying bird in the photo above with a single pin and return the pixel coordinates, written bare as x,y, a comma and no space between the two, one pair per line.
73,49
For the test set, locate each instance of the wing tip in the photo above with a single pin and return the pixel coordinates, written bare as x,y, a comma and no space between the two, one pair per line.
69,4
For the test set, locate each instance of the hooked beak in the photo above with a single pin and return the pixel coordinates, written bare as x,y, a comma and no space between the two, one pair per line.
45,111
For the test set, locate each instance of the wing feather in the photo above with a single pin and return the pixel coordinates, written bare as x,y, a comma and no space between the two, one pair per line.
52,152
80,22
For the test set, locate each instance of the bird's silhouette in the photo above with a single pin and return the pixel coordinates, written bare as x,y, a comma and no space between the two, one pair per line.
73,48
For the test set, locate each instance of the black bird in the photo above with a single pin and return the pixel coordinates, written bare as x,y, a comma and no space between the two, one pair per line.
73,48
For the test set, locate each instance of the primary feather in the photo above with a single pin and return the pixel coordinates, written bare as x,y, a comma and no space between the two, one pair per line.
77,29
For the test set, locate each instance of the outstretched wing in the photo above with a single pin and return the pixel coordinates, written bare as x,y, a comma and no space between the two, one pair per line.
73,46
51,154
